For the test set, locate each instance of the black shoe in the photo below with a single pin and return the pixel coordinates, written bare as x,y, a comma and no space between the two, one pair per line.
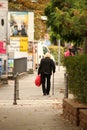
47,93
44,94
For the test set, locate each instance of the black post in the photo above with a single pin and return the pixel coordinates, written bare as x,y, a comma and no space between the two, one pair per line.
17,87
66,85
15,80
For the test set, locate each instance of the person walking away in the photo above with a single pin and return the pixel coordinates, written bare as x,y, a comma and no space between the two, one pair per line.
46,67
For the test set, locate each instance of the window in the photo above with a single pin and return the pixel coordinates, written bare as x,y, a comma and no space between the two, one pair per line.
2,22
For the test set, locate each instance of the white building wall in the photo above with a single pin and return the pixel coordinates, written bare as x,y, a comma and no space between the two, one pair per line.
3,17
31,26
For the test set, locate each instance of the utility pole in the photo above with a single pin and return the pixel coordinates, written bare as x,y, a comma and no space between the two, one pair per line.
59,54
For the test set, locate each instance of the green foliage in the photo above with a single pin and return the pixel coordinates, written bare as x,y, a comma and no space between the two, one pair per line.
68,18
54,51
76,67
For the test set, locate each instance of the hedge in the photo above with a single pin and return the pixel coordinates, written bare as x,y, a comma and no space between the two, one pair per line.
76,67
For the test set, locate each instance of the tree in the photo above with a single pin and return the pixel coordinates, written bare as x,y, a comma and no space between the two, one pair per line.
68,18
38,8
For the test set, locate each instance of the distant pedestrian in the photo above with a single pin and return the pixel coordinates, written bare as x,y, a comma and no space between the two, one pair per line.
67,53
46,67
75,49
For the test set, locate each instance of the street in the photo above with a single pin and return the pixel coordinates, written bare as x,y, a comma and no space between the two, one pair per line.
28,90
33,111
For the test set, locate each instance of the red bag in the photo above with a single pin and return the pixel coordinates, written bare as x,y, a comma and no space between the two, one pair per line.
38,80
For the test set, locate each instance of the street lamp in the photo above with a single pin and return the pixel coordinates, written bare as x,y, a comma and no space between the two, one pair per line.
43,18
59,54
34,0
58,49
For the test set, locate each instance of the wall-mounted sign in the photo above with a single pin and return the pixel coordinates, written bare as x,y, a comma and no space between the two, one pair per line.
3,5
2,47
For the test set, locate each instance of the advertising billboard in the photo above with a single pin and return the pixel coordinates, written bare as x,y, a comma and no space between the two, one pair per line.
18,24
18,31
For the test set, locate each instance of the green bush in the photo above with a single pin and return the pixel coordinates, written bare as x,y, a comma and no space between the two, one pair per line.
54,51
76,67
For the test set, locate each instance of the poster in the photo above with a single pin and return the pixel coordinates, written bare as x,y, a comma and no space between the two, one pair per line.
2,47
18,31
18,24
10,65
0,67
24,44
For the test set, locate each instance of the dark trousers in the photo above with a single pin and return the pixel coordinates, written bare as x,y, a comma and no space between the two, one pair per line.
45,79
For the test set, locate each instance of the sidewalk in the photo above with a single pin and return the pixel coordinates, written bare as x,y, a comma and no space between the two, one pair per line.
33,111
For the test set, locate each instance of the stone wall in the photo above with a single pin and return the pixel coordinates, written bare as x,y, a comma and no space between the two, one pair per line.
83,118
72,111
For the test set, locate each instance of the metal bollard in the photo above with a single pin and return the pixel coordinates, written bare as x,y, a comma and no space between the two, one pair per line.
15,101
66,85
17,87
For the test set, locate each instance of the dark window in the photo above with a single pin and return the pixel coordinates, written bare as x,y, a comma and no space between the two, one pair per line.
2,22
